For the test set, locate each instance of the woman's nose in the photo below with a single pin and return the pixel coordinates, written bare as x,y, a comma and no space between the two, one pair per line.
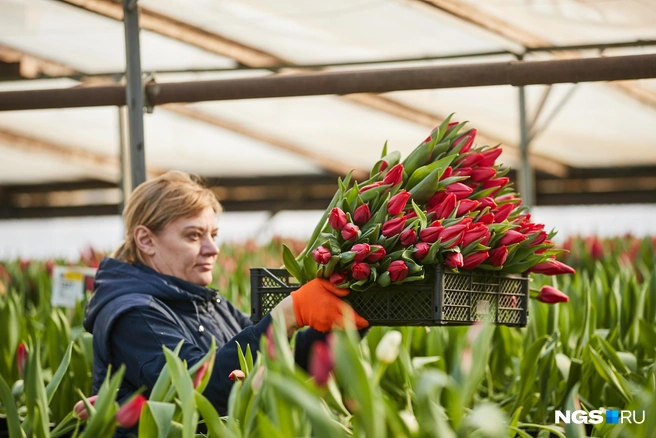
210,248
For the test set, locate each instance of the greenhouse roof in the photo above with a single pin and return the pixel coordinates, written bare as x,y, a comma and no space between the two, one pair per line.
578,131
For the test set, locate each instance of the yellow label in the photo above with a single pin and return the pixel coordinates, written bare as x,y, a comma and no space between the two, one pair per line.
74,276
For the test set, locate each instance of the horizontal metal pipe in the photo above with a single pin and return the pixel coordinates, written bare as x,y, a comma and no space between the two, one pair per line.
514,73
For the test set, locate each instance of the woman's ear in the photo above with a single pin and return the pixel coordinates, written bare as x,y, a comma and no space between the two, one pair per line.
143,238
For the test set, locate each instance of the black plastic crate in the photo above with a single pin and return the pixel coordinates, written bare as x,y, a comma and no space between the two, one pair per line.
446,298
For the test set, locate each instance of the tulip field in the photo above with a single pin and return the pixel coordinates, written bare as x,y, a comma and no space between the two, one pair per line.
595,352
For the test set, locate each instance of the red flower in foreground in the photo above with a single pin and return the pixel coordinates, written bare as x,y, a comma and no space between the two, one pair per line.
552,267
337,218
454,260
200,374
498,256
362,214
237,375
394,176
376,252
398,270
551,295
360,270
129,414
322,363
321,255
21,357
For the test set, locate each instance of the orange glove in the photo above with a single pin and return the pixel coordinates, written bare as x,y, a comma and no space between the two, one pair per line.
317,305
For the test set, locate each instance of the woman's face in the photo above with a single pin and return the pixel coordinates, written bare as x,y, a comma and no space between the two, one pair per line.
185,248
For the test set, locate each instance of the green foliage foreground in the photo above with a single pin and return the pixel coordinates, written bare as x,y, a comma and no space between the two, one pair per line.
597,351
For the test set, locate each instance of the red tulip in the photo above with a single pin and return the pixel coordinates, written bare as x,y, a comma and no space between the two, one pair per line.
384,165
482,174
542,236
459,189
469,141
361,251
510,197
271,343
511,237
338,278
360,270
488,201
398,270
466,205
393,226
487,219
473,260
445,208
463,171
321,255
322,363
236,375
498,256
490,156
474,233
129,414
397,202
21,357
502,213
408,237
337,218
370,186
50,266
200,373
596,249
454,260
551,295
24,264
497,183
430,234
376,253
456,232
394,176
421,250
447,173
436,199
350,232
362,214
552,267
470,160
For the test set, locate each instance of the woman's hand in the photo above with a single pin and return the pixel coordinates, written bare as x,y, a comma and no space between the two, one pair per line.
317,304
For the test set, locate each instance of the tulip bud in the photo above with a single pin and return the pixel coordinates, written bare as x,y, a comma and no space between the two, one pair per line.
445,208
482,174
21,357
469,160
360,270
498,256
430,234
466,205
397,202
453,232
459,189
370,186
393,226
338,278
376,252
473,260
552,267
128,415
551,295
237,375
511,237
542,236
489,157
398,270
321,255
200,373
447,173
361,251
454,260
502,213
322,363
24,264
497,183
394,176
421,250
271,343
387,349
362,214
463,171
487,219
474,233
488,201
350,232
468,140
437,198
337,218
408,237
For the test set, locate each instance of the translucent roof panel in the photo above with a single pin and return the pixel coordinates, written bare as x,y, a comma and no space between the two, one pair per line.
341,30
91,43
574,21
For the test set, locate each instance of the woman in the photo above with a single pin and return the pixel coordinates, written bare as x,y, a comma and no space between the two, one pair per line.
153,292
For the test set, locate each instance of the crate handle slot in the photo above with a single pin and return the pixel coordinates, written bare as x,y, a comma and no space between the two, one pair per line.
274,277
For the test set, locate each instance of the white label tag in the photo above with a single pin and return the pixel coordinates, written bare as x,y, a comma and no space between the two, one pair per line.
483,307
68,284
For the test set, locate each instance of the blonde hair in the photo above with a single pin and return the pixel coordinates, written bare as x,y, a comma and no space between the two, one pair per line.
160,201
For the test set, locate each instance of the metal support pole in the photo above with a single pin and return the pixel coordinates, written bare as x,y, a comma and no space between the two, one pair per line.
134,94
526,174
